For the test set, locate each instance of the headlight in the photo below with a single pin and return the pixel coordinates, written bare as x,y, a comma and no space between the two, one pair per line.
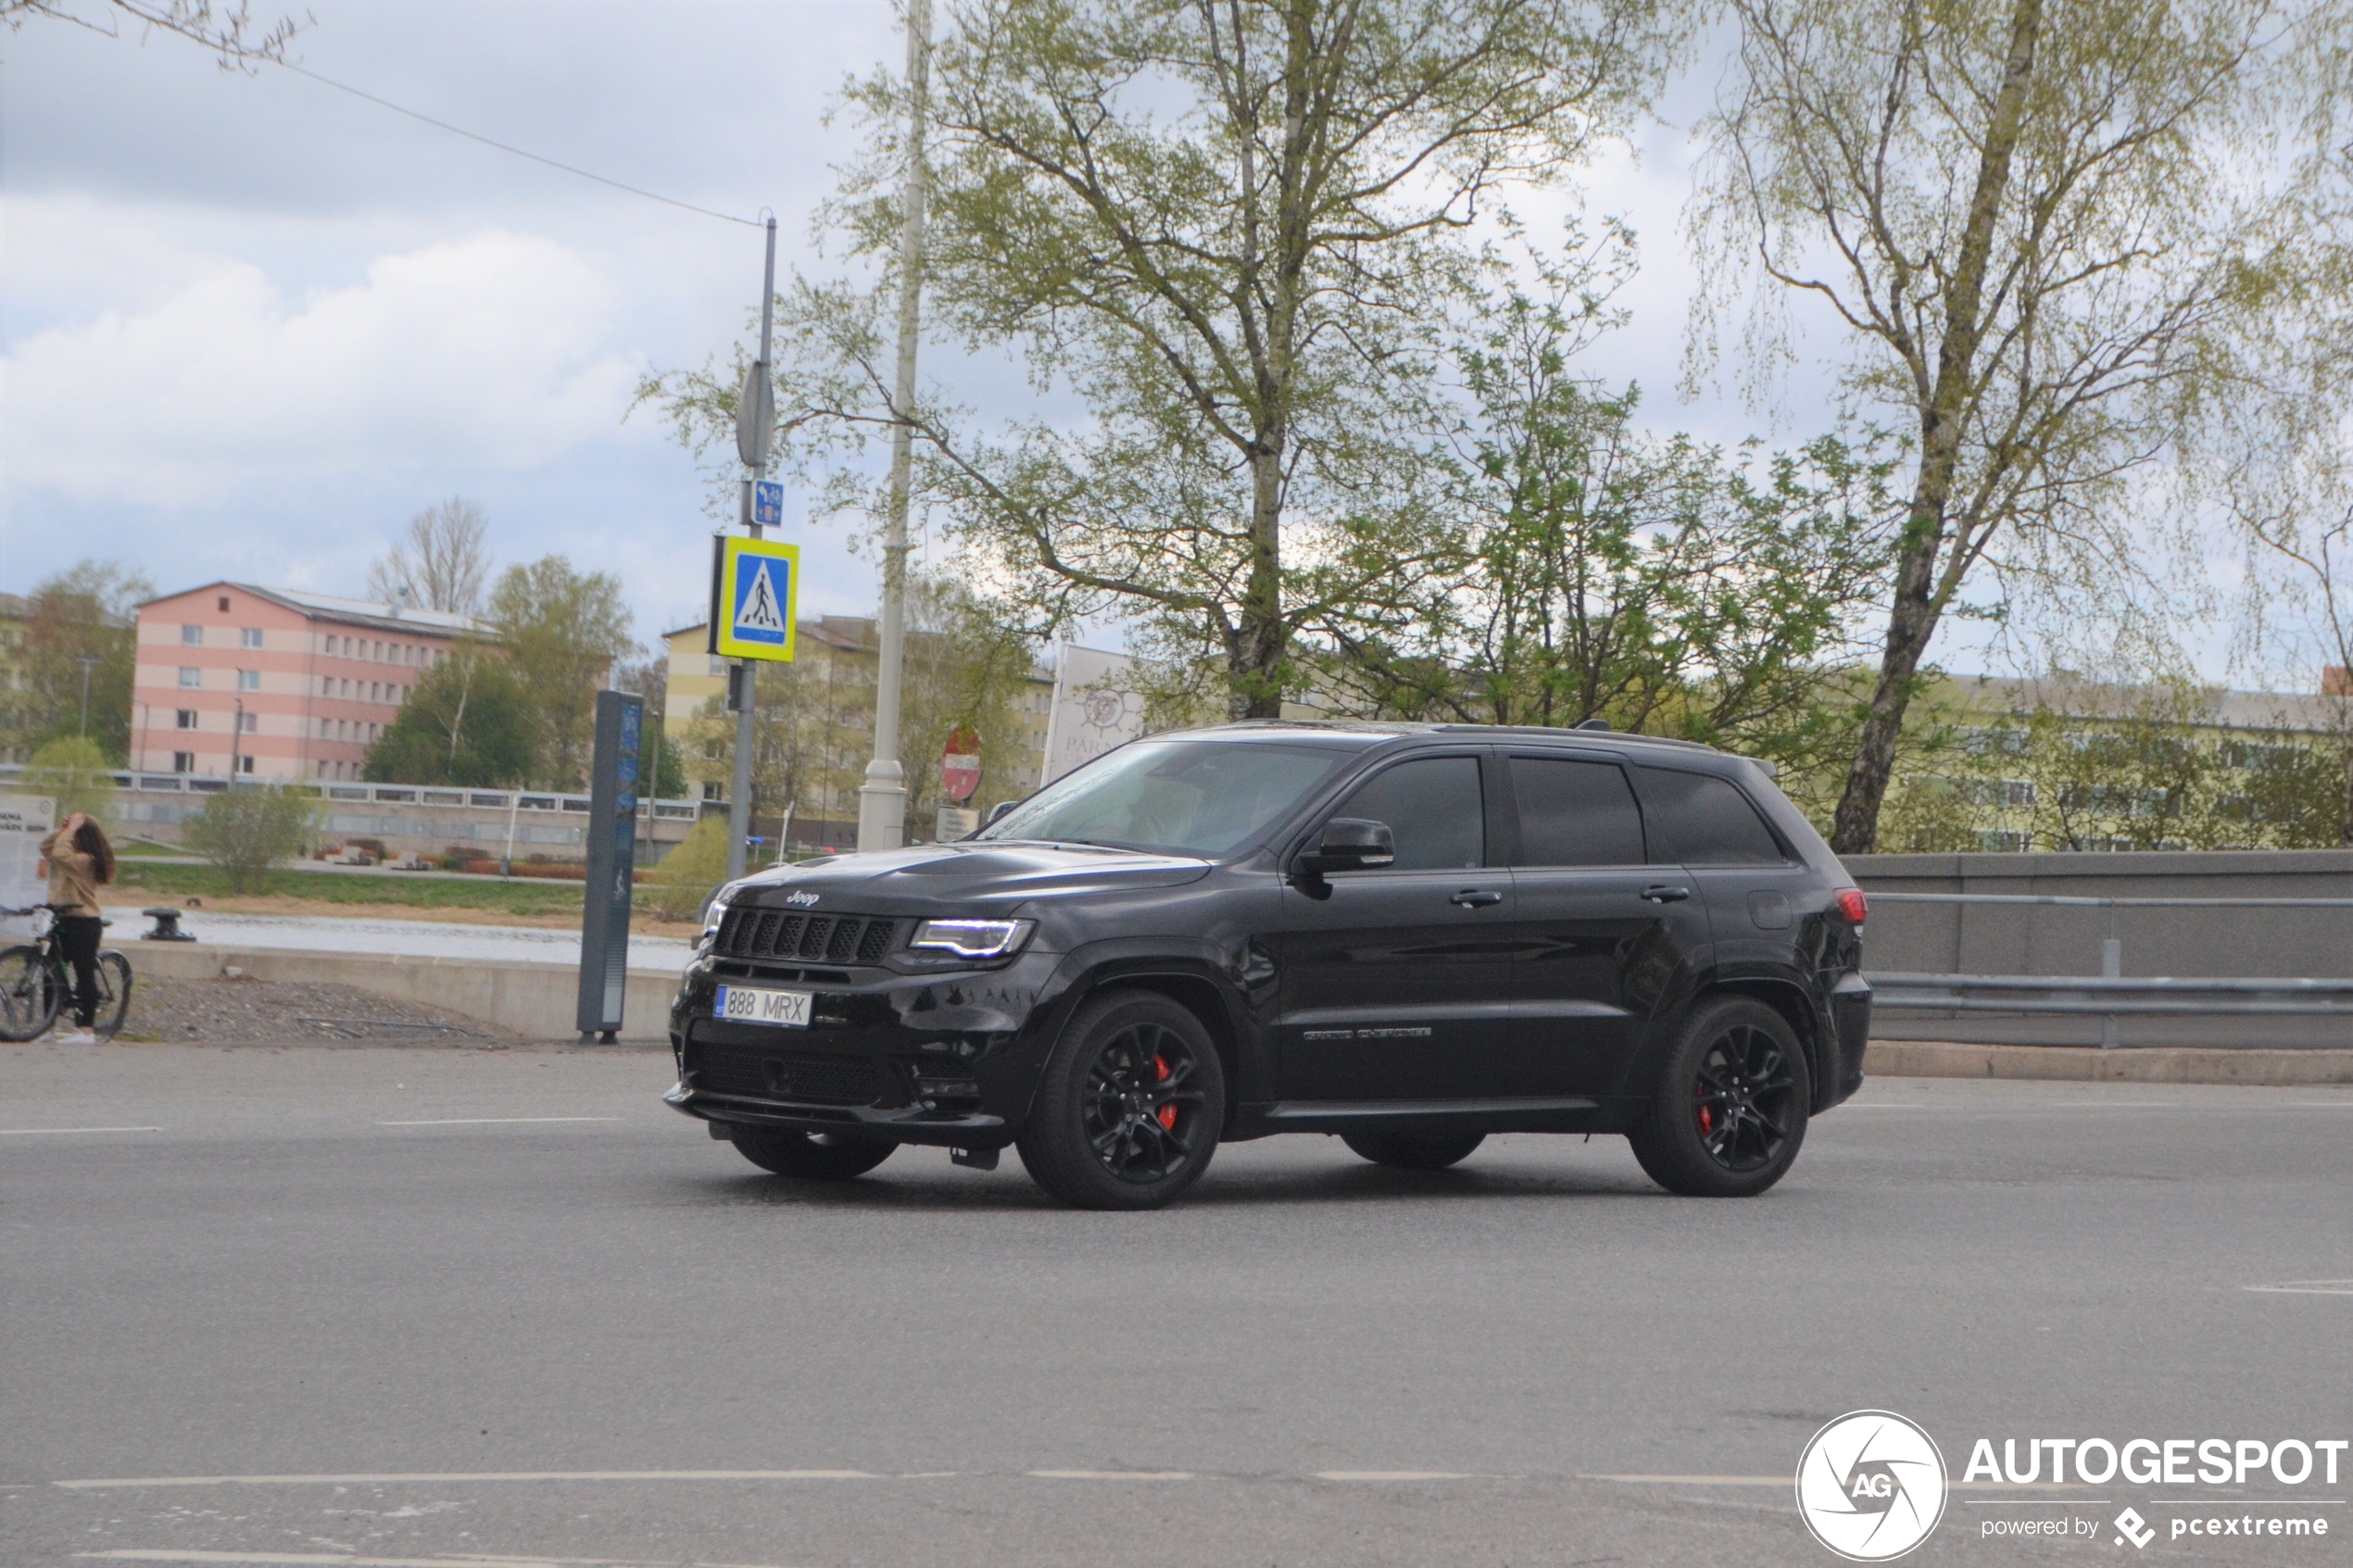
972,938
716,912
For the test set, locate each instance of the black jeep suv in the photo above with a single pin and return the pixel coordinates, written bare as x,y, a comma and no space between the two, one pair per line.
1409,935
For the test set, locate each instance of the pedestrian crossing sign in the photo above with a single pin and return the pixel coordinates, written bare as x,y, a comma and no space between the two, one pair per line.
755,592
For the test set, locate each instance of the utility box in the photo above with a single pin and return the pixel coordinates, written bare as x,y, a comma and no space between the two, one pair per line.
612,863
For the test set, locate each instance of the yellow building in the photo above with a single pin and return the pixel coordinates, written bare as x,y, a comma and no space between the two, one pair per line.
2062,763
16,680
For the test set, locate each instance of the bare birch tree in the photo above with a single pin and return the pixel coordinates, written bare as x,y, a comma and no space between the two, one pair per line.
2041,225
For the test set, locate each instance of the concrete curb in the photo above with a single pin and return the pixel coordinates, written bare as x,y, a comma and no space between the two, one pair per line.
534,999
2127,1064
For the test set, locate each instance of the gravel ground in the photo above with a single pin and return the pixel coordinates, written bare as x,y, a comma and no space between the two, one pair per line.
208,1011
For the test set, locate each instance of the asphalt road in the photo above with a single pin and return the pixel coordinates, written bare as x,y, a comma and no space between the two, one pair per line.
322,1305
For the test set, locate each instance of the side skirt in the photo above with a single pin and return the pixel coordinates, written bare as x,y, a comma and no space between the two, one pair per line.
1546,1116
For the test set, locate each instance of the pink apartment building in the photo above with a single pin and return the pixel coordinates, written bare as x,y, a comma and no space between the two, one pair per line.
273,683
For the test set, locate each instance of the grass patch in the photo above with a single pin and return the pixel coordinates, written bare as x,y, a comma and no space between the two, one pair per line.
205,881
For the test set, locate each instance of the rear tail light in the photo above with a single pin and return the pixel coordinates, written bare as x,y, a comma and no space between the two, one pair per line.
1852,906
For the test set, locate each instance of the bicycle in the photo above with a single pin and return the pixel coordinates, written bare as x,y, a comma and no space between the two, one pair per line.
36,984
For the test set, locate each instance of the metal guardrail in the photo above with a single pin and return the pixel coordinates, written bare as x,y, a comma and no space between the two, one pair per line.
2113,994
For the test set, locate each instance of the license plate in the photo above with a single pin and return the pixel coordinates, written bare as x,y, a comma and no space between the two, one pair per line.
743,1004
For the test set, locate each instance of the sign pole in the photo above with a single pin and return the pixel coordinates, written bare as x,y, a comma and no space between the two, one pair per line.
755,415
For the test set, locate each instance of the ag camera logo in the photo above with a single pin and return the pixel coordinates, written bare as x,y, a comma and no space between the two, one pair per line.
1871,1485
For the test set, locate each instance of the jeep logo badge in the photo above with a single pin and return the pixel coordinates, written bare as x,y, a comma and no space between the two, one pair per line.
803,899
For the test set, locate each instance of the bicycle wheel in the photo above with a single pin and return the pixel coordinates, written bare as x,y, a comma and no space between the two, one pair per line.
29,995
114,994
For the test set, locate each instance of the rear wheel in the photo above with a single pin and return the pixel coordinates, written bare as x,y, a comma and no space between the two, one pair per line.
114,994
822,1156
1730,1111
1415,1151
1129,1107
30,996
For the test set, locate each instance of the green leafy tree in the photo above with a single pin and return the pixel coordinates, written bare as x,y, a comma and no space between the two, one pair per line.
81,636
1235,232
1598,572
467,721
246,829
76,773
2043,226
562,632
687,877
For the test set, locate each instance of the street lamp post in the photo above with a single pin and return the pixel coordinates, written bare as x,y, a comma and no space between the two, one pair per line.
882,802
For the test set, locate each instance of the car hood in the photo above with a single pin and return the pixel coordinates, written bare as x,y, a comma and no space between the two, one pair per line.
936,878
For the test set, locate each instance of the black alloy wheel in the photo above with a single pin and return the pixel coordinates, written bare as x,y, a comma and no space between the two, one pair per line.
1130,1107
1741,1093
1729,1109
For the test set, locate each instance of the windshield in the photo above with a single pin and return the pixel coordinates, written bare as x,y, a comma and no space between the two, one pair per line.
1180,797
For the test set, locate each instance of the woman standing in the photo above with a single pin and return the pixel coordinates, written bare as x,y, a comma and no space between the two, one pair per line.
80,861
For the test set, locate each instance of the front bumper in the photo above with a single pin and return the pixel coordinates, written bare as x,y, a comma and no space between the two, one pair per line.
948,1058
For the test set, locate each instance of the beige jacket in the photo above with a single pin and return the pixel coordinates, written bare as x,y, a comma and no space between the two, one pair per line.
73,876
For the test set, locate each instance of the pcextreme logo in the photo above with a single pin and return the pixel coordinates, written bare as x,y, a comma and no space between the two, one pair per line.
1871,1485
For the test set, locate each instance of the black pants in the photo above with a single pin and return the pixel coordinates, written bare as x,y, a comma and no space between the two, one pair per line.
77,943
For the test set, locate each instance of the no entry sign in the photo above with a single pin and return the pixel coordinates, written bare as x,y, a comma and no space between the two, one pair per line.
960,765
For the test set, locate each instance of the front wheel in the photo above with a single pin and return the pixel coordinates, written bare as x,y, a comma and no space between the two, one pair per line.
29,995
1129,1107
822,1156
114,994
1729,1109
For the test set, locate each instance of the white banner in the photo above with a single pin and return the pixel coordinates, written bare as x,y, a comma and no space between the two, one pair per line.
1094,709
25,821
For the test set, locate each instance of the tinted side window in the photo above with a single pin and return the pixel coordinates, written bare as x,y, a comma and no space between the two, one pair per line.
1699,820
1575,813
1434,809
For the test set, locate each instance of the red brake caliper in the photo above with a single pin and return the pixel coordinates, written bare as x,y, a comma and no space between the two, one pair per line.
1706,1114
1166,1114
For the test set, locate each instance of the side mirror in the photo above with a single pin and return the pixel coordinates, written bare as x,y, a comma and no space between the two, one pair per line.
1350,843
999,811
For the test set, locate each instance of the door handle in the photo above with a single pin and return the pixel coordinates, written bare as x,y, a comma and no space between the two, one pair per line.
1662,894
1476,898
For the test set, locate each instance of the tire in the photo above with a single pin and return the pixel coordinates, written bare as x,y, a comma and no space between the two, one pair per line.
817,1157
1729,1109
1129,1107
30,996
1415,1151
114,994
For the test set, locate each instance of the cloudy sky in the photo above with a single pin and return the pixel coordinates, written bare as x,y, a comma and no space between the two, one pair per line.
249,325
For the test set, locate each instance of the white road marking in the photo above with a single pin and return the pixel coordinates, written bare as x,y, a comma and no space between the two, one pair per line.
393,1478
2309,1288
461,1561
1785,1482
493,1120
37,1131
1789,1480
1110,1474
